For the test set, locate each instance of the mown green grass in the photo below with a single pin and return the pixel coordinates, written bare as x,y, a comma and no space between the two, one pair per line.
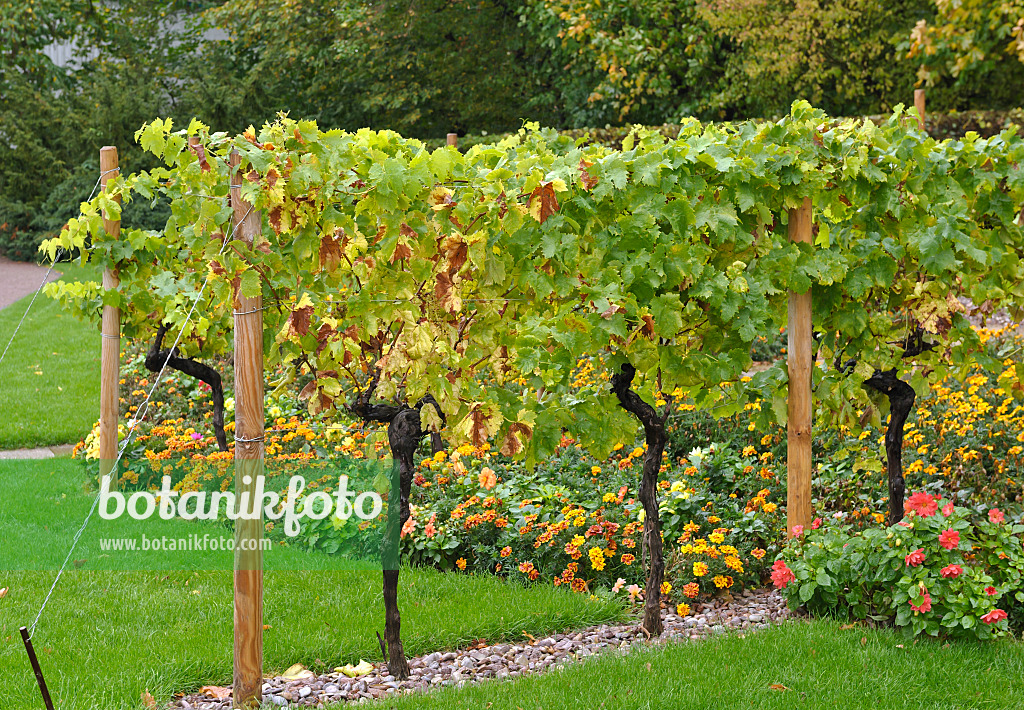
49,381
106,636
819,665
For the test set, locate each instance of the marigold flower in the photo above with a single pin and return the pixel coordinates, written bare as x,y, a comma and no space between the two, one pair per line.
461,562
594,470
782,574
666,587
506,551
915,558
949,539
628,559
683,610
994,616
717,538
758,553
720,581
996,516
699,569
951,571
691,590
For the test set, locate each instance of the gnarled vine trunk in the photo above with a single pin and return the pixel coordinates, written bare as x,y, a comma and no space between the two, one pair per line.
155,359
404,434
654,433
901,402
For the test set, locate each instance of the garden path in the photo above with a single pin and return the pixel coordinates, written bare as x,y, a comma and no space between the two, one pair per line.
19,279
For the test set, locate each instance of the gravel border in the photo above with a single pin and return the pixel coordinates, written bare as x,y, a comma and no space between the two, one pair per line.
750,611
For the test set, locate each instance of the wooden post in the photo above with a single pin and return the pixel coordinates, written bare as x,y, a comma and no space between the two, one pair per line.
248,674
453,140
919,105
110,352
798,474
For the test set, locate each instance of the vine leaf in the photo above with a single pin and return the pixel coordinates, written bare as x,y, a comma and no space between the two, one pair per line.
543,202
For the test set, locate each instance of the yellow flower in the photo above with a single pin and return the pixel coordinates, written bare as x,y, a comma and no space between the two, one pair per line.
766,439
717,538
749,451
594,470
770,507
683,610
596,555
637,452
699,569
461,562
666,587
440,456
720,581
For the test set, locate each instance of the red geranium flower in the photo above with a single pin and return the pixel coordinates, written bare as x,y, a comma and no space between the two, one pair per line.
915,558
951,571
921,503
994,616
781,574
949,539
996,516
991,591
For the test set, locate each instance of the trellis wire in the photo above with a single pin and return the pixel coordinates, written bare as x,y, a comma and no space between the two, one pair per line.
140,414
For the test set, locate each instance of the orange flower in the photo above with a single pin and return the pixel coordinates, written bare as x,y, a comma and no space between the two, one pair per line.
487,479
461,563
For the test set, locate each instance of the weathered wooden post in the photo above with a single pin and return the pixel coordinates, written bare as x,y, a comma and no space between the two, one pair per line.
453,139
248,668
798,473
919,105
110,352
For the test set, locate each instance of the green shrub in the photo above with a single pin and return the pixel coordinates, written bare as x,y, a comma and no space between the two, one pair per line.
939,572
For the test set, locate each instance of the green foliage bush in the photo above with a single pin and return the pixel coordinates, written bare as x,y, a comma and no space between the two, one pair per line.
940,572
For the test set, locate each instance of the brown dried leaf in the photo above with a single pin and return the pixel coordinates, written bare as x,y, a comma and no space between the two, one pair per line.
648,328
216,692
456,250
324,336
298,321
402,251
330,252
308,391
444,292
200,152
588,180
543,202
148,700
612,310
778,686
517,434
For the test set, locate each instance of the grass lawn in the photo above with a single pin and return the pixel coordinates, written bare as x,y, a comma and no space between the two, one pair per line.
50,379
820,665
106,636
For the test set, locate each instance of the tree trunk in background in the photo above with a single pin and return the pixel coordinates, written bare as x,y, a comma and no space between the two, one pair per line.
901,402
654,433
